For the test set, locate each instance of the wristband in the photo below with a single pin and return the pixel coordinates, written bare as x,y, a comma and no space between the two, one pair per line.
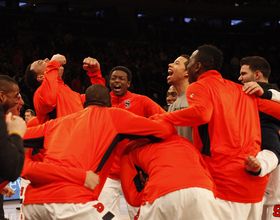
15,132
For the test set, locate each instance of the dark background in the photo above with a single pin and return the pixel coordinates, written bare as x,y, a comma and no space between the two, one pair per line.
144,35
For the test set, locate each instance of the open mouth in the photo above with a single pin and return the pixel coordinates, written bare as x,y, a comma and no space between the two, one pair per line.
117,88
18,109
170,72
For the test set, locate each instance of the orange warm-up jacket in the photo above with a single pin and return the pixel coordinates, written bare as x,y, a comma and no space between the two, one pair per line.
138,104
85,140
171,165
226,130
54,99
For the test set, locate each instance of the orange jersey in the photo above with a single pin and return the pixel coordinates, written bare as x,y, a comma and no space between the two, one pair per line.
38,154
96,78
54,99
85,140
171,165
34,168
227,130
53,94
138,104
48,172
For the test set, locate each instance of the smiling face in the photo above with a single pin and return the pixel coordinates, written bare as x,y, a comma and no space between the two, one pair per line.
246,74
39,66
177,71
11,98
15,110
119,82
171,95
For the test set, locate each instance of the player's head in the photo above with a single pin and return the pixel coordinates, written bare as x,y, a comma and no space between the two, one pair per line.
98,95
15,110
205,58
177,71
9,92
171,95
29,113
254,68
34,74
120,80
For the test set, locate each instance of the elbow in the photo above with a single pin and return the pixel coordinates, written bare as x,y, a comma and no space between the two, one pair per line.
205,118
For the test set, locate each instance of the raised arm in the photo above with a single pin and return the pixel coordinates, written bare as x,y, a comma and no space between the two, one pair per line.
45,97
92,67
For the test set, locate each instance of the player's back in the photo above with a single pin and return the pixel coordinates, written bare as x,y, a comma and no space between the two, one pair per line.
232,134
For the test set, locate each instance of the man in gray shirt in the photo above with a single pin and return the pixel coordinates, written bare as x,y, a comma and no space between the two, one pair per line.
179,78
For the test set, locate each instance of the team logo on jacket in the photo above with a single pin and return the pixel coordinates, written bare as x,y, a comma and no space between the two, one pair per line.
127,103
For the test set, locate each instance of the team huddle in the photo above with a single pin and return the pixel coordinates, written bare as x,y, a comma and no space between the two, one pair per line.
212,155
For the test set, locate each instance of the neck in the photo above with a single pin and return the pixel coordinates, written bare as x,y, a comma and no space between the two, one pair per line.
96,103
263,80
182,86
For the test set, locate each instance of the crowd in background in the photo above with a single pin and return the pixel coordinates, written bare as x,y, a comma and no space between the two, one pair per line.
146,48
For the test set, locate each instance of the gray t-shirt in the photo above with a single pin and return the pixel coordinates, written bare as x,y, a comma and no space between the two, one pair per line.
181,103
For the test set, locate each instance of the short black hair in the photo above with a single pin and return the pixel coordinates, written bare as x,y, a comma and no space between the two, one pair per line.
124,69
6,83
30,78
210,57
99,95
257,63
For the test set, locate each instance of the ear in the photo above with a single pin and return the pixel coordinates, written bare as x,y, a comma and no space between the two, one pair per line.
258,74
40,78
186,74
128,84
2,96
198,67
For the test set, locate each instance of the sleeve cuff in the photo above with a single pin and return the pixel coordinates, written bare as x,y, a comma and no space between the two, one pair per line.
14,132
255,173
94,74
266,95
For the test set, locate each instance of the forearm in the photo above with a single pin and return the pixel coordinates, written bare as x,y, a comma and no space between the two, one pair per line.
192,116
275,95
128,173
96,78
152,107
45,98
269,107
43,173
140,127
268,160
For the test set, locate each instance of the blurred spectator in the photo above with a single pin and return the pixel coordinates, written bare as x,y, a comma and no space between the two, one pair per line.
29,114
